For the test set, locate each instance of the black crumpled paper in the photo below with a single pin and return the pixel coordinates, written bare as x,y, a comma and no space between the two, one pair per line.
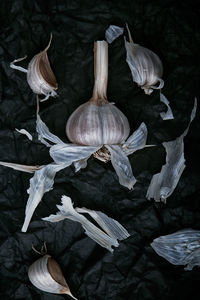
134,270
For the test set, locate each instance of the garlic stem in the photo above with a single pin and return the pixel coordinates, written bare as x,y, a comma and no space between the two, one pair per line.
100,70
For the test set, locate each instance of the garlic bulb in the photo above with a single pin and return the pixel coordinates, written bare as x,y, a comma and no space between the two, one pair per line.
40,76
146,67
46,275
98,122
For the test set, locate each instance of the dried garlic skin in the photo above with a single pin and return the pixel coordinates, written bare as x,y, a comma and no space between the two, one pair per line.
106,234
40,76
146,67
179,248
46,275
98,122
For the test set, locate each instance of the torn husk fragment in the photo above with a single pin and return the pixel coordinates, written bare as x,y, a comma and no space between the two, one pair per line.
112,230
168,115
25,132
113,32
40,76
163,184
18,167
179,248
46,275
146,67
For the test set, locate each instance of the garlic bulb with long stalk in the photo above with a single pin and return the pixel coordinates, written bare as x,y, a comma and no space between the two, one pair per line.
98,122
146,67
45,274
40,76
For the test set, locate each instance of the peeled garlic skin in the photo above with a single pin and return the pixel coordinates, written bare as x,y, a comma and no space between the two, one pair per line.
93,125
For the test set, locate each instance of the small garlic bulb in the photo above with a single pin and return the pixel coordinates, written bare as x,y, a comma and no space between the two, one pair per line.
46,275
146,67
98,122
40,76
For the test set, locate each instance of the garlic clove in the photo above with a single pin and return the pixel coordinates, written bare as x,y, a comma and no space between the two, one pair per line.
40,76
45,69
146,67
46,275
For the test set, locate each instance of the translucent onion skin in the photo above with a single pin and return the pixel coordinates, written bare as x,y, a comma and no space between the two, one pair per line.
94,125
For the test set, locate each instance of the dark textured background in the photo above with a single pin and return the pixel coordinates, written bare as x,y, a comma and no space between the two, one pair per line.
134,270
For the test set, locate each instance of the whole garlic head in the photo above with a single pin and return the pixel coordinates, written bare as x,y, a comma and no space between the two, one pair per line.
98,122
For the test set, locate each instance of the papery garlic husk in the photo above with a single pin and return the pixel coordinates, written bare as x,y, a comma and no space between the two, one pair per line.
179,248
146,67
40,76
46,275
98,122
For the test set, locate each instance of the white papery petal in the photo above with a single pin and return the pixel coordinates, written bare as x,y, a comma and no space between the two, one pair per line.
179,248
99,236
122,166
112,227
113,32
44,133
25,132
69,153
40,183
163,184
136,141
168,115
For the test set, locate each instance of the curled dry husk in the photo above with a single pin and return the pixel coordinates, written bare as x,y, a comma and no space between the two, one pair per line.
25,132
40,76
112,230
113,32
163,184
46,275
180,248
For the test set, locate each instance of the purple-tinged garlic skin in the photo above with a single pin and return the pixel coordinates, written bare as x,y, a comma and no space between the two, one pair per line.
94,125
